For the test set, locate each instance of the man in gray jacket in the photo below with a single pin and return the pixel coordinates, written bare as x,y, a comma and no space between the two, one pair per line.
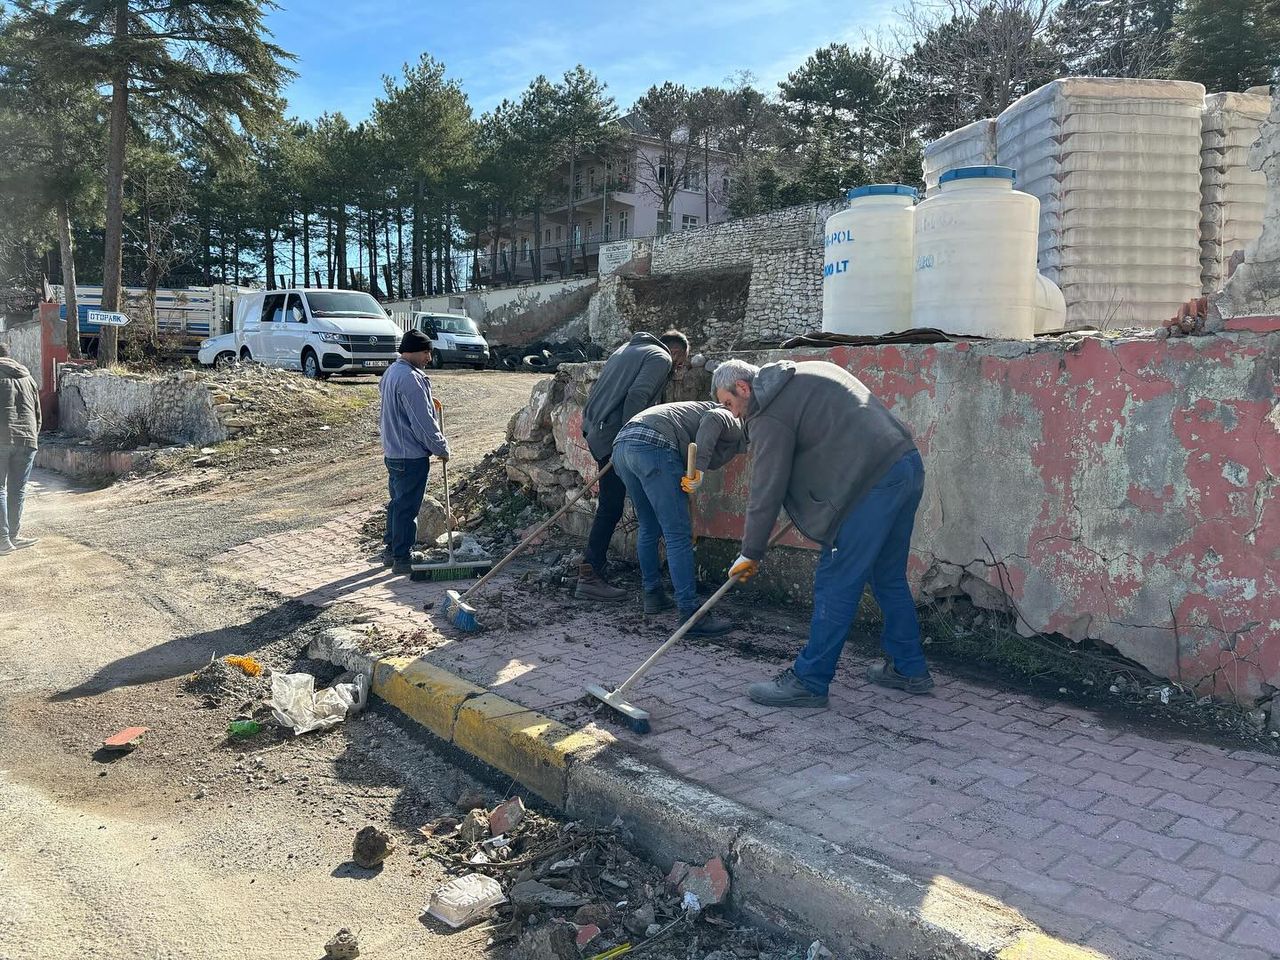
850,478
632,380
651,455
19,435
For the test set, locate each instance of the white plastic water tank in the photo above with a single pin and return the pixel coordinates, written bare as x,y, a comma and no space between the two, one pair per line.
975,256
866,271
1051,306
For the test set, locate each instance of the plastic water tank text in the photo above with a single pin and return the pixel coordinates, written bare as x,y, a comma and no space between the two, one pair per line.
839,266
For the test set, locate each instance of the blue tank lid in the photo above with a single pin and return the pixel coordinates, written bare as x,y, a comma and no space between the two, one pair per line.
978,173
882,190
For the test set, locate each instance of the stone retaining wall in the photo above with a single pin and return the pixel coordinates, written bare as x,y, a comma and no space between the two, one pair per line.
109,407
1127,488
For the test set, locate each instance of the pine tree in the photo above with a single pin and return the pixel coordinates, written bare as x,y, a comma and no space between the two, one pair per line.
1115,38
1228,44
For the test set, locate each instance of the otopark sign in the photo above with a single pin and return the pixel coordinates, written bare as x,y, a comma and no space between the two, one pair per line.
107,318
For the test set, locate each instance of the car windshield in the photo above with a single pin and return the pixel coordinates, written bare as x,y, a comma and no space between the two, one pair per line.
450,323
343,303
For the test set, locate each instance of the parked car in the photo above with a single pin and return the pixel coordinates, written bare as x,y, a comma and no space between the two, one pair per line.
455,338
320,332
218,351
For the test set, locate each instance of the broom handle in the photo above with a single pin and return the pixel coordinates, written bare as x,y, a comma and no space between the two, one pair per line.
524,544
444,475
691,471
689,624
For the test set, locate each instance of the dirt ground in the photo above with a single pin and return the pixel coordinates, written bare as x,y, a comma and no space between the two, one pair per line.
196,845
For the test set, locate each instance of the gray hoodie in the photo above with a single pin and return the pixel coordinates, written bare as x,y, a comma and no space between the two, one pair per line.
19,406
819,441
717,432
632,380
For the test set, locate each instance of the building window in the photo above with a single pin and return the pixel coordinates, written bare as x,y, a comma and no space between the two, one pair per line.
577,234
524,248
608,226
591,179
693,177
662,174
577,182
725,185
559,234
622,225
664,222
687,222
547,238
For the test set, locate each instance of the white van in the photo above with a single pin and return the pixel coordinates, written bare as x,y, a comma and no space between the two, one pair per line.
320,332
455,338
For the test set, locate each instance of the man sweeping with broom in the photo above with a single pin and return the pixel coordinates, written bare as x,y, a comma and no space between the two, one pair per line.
650,455
850,478
410,437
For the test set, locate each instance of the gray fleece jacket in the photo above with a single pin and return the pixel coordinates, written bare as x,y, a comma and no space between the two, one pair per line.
717,432
819,441
19,406
632,380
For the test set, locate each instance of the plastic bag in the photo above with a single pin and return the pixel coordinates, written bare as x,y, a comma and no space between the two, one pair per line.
465,899
296,703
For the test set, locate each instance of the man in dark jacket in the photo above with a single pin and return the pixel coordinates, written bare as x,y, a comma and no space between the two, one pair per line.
19,435
651,455
632,380
850,478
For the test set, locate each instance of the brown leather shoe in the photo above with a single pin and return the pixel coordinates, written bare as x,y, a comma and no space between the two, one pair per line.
591,586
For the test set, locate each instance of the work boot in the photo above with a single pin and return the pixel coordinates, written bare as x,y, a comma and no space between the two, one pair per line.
656,601
785,690
709,626
384,557
402,568
21,542
886,676
591,586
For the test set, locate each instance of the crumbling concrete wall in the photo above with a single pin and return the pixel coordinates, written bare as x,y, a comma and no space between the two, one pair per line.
24,342
1119,490
512,315
738,242
1254,288
109,407
708,306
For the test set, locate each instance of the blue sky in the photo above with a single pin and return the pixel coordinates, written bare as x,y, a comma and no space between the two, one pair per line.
495,47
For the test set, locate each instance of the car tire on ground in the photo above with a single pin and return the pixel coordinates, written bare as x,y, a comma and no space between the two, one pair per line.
311,366
437,361
224,360
535,362
245,355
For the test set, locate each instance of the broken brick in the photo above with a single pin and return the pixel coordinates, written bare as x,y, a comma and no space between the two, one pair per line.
710,883
586,934
506,817
126,739
679,870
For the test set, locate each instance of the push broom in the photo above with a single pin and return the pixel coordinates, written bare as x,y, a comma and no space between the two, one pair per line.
616,700
456,606
451,569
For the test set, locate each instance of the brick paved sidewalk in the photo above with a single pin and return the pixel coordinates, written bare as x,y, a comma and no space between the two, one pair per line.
1115,840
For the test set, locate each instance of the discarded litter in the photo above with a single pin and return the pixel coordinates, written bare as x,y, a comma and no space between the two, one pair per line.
817,951
126,740
465,899
371,847
248,665
296,703
244,728
506,817
343,946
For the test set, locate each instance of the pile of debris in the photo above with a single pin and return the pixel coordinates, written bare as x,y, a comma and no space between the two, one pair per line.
225,681
544,356
563,892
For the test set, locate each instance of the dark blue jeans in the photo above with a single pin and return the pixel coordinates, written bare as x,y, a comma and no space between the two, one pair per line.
15,471
871,545
407,484
652,475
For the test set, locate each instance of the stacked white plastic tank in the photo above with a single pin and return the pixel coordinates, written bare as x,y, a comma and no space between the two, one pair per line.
866,272
1232,197
973,145
1115,166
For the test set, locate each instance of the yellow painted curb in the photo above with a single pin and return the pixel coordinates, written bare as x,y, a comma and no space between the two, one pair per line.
1041,946
426,693
532,748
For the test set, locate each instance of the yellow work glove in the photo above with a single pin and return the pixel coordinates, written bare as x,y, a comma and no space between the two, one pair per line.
744,569
690,484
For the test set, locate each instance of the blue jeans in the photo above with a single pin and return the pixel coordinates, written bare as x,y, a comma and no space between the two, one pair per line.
15,471
406,484
652,475
871,545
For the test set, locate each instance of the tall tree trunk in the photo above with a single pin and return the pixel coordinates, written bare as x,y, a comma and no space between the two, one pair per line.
537,240
269,255
706,179
493,246
441,253
67,252
293,250
373,255
428,255
306,247
450,285
113,244
389,260
400,251
329,264
415,243
340,242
